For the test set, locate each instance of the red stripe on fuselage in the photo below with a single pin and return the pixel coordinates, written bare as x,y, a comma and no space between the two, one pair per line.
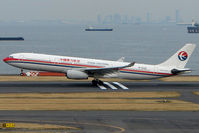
79,65
130,70
38,61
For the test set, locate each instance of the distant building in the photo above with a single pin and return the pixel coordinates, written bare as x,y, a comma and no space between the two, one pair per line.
148,17
138,20
167,19
108,19
177,16
117,19
132,20
99,19
125,19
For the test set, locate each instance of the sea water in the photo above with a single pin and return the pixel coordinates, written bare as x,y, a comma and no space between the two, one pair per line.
150,44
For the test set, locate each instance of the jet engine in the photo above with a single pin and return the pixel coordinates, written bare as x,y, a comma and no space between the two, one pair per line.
74,74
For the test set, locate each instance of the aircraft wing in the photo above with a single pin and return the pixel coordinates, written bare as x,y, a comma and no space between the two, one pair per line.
105,70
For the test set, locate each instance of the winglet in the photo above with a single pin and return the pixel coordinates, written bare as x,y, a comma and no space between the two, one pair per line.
130,64
121,59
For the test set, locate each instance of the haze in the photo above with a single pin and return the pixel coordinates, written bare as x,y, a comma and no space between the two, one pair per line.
89,9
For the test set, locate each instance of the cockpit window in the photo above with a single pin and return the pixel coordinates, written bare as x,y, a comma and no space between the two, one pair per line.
10,56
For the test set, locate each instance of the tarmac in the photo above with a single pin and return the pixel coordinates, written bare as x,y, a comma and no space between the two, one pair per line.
110,121
107,121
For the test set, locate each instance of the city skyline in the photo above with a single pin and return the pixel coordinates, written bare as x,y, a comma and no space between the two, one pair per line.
125,19
87,10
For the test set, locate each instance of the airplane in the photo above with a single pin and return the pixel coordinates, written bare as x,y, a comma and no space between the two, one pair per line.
82,68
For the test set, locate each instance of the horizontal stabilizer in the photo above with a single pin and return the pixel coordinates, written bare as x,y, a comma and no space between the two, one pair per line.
178,71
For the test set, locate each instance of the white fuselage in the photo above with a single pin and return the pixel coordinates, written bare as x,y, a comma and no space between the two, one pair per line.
53,63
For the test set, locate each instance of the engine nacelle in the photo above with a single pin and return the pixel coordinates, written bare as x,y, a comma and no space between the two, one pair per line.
74,74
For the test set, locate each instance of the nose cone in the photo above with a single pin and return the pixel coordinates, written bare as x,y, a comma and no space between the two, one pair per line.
6,59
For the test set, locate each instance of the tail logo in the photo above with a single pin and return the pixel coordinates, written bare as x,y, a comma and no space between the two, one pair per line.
182,56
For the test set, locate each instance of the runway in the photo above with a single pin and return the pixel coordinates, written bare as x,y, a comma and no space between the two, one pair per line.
185,88
107,121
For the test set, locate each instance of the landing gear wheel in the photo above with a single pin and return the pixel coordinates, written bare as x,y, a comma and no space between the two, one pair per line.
96,81
21,74
100,82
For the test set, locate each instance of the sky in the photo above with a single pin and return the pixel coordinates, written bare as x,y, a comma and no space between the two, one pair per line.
26,10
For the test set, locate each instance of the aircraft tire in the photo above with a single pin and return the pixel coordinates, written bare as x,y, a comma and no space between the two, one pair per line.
94,82
21,74
100,82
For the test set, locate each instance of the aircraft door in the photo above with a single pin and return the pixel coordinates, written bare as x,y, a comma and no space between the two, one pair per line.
155,69
55,60
21,57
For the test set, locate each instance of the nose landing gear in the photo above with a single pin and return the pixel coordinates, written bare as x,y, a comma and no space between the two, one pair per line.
21,74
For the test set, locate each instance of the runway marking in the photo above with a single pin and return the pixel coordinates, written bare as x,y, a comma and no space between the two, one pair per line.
101,87
110,85
121,85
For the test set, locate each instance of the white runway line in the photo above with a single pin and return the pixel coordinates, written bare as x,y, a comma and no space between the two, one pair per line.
101,87
110,85
121,85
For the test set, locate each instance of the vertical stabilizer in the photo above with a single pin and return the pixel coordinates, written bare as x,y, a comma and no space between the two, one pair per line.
180,58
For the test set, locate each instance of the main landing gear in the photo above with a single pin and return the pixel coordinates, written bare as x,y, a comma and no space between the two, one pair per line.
21,74
97,81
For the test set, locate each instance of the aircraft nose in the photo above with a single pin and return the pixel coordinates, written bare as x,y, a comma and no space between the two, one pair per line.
6,59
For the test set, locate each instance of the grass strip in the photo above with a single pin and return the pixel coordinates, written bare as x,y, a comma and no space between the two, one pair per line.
92,95
196,92
95,101
150,105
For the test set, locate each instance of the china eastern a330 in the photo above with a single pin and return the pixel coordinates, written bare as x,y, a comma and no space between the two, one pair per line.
82,68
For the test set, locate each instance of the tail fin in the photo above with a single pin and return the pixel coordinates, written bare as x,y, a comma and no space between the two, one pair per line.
180,58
